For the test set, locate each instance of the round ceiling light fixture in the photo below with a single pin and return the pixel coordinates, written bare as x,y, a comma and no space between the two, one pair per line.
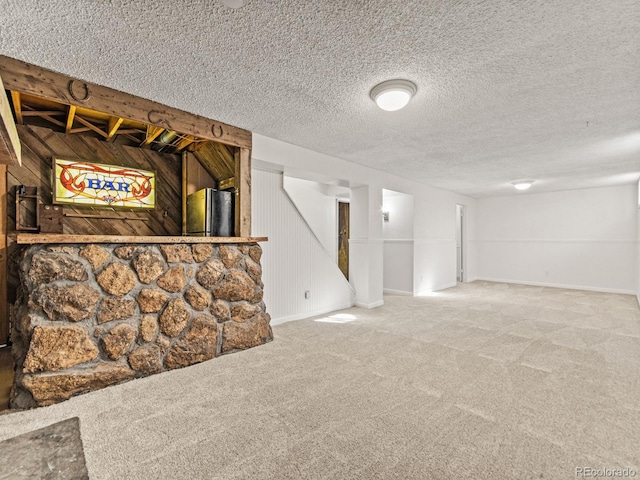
234,3
393,95
522,184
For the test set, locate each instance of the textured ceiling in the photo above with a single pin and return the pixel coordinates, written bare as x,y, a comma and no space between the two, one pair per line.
507,90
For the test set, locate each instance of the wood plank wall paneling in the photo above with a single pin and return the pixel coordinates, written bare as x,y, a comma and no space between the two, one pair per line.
41,145
217,160
293,260
197,176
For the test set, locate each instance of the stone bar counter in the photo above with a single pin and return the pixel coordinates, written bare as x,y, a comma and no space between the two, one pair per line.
93,311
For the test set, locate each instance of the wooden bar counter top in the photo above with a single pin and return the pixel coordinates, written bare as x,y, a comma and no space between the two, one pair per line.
34,238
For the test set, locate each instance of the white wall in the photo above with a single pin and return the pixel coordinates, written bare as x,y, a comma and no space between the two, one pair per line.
318,209
400,208
293,260
434,219
583,239
435,240
398,243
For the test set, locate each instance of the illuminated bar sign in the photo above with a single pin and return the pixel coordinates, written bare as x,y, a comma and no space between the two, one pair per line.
96,185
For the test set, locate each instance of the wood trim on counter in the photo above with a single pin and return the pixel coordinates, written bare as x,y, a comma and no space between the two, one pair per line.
35,238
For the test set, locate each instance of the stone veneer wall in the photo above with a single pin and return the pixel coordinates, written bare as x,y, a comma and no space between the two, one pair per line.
89,316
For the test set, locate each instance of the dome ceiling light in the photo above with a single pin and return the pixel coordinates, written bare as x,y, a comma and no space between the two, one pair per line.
393,95
234,3
522,184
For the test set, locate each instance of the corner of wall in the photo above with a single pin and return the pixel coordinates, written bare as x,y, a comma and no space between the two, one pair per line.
377,304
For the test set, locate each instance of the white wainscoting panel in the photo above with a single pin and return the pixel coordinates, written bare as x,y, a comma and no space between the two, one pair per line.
293,260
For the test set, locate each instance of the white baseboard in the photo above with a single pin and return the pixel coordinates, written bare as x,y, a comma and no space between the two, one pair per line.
314,313
379,303
437,288
445,286
560,285
396,292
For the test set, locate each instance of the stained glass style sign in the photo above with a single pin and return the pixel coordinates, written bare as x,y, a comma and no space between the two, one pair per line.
97,185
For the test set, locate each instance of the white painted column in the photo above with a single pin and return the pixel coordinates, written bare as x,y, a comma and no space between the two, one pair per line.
366,247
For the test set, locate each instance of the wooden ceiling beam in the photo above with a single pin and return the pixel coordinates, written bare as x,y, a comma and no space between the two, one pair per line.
152,134
184,143
130,137
42,113
79,130
29,111
17,106
31,79
49,118
70,117
124,131
114,125
91,126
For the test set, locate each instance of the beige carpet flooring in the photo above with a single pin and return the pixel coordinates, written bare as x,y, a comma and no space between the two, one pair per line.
481,381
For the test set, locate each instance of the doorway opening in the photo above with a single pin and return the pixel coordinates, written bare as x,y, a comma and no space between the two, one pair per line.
343,238
460,237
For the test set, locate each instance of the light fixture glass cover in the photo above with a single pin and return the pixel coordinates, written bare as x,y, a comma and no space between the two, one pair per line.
522,184
234,3
393,94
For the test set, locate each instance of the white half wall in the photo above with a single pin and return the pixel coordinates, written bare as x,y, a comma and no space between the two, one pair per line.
585,239
398,266
293,259
398,243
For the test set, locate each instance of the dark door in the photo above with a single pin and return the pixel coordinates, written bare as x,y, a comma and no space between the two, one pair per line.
343,238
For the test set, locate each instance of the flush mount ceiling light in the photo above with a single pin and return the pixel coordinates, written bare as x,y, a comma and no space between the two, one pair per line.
522,184
393,94
234,3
